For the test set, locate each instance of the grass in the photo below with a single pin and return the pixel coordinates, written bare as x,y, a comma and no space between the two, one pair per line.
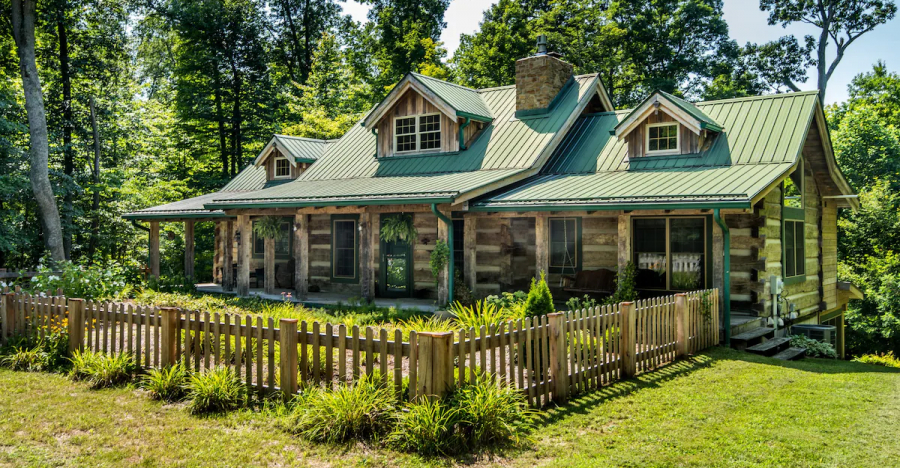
722,408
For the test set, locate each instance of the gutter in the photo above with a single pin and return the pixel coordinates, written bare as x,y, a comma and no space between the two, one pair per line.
726,280
613,206
451,273
319,203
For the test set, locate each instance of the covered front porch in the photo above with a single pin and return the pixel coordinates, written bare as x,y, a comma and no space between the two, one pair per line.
322,298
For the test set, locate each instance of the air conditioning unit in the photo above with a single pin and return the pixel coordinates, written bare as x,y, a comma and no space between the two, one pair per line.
823,333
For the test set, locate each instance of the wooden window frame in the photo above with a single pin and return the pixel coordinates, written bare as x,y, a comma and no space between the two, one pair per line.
793,216
275,168
665,152
278,256
578,247
707,245
418,133
345,218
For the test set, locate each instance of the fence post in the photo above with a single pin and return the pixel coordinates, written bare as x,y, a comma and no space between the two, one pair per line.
435,349
558,365
681,321
287,339
76,324
9,316
627,339
168,336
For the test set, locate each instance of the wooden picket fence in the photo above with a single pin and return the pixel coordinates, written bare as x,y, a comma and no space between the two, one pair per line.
548,358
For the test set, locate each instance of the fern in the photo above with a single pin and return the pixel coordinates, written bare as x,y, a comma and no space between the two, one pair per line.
268,227
399,228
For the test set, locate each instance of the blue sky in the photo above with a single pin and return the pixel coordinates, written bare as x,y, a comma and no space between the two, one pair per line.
746,24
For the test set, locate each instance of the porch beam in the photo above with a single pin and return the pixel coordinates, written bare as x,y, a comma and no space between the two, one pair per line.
189,249
624,241
301,255
246,241
154,249
228,256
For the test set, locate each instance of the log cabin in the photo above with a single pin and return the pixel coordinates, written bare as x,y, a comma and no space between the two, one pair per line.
545,176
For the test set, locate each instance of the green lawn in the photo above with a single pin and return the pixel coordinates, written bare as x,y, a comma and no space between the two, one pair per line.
720,409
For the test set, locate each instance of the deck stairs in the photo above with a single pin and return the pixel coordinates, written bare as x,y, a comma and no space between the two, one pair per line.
762,341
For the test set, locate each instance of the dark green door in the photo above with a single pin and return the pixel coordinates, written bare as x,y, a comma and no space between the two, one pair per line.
396,268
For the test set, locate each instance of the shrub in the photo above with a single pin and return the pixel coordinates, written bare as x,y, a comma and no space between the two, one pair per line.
887,360
539,301
813,347
215,391
492,414
361,411
33,359
439,258
109,371
167,384
86,282
587,302
507,300
428,427
461,292
625,286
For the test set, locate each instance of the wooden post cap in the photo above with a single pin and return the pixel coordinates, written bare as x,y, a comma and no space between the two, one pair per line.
435,334
75,300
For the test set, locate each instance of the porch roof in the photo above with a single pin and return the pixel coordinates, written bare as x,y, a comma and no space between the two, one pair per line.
762,140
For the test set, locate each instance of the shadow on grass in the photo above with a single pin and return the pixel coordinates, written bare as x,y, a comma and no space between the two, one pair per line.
583,402
818,366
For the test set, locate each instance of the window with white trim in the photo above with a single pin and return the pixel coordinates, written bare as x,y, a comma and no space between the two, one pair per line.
417,133
282,168
663,138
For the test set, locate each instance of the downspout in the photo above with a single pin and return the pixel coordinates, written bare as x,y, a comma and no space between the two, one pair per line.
449,224
462,134
726,280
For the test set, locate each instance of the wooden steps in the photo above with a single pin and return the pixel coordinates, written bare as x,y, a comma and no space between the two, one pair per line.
791,354
770,347
752,337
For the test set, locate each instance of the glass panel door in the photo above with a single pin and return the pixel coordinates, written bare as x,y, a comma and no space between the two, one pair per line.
650,253
396,269
686,236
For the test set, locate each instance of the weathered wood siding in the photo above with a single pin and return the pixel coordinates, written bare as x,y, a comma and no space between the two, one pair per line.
296,169
427,226
412,103
829,253
806,296
690,141
600,243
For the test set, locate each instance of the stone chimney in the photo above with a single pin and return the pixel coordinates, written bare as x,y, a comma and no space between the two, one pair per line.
539,78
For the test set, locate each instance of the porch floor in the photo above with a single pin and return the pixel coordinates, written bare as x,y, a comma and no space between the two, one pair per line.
318,299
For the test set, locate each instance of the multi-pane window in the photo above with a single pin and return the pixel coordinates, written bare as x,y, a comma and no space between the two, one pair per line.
564,242
459,243
794,252
282,167
282,241
662,138
343,248
417,133
670,253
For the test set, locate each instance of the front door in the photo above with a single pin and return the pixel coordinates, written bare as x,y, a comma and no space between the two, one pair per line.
395,268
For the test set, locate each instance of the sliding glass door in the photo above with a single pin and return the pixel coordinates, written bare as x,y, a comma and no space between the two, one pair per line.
670,253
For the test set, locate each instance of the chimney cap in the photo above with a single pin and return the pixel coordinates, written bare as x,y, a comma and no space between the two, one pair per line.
542,45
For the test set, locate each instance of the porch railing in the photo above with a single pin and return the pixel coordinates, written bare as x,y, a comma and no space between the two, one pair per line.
548,358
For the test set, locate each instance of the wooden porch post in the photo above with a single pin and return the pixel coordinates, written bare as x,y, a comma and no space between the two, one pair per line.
189,249
227,256
541,249
470,240
443,287
301,256
269,265
624,241
154,249
366,272
243,279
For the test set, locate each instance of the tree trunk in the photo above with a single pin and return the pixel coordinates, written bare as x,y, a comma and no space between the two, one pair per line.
68,154
95,204
220,120
307,48
39,148
295,54
236,148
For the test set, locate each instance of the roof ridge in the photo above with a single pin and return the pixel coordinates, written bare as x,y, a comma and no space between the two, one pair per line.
419,75
418,174
315,140
761,96
495,88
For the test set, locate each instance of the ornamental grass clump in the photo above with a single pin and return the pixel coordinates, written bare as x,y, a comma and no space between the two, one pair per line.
82,364
362,411
110,371
483,313
428,427
29,359
215,391
491,414
167,384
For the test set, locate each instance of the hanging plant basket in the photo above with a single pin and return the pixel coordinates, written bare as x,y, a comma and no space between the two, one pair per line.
399,228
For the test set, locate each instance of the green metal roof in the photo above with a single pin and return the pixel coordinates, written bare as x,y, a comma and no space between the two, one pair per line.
763,139
705,121
349,170
302,149
460,98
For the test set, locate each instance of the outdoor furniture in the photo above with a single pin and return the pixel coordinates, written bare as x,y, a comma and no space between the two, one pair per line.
602,281
258,276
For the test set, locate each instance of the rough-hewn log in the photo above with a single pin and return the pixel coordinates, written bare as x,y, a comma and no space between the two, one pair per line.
228,256
470,233
269,265
189,249
301,255
541,247
366,269
246,242
154,249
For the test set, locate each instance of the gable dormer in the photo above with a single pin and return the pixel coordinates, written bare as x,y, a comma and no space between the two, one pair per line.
424,115
665,125
286,157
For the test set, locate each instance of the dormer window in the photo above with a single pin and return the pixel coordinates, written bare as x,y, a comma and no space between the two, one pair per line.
663,138
282,168
417,133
